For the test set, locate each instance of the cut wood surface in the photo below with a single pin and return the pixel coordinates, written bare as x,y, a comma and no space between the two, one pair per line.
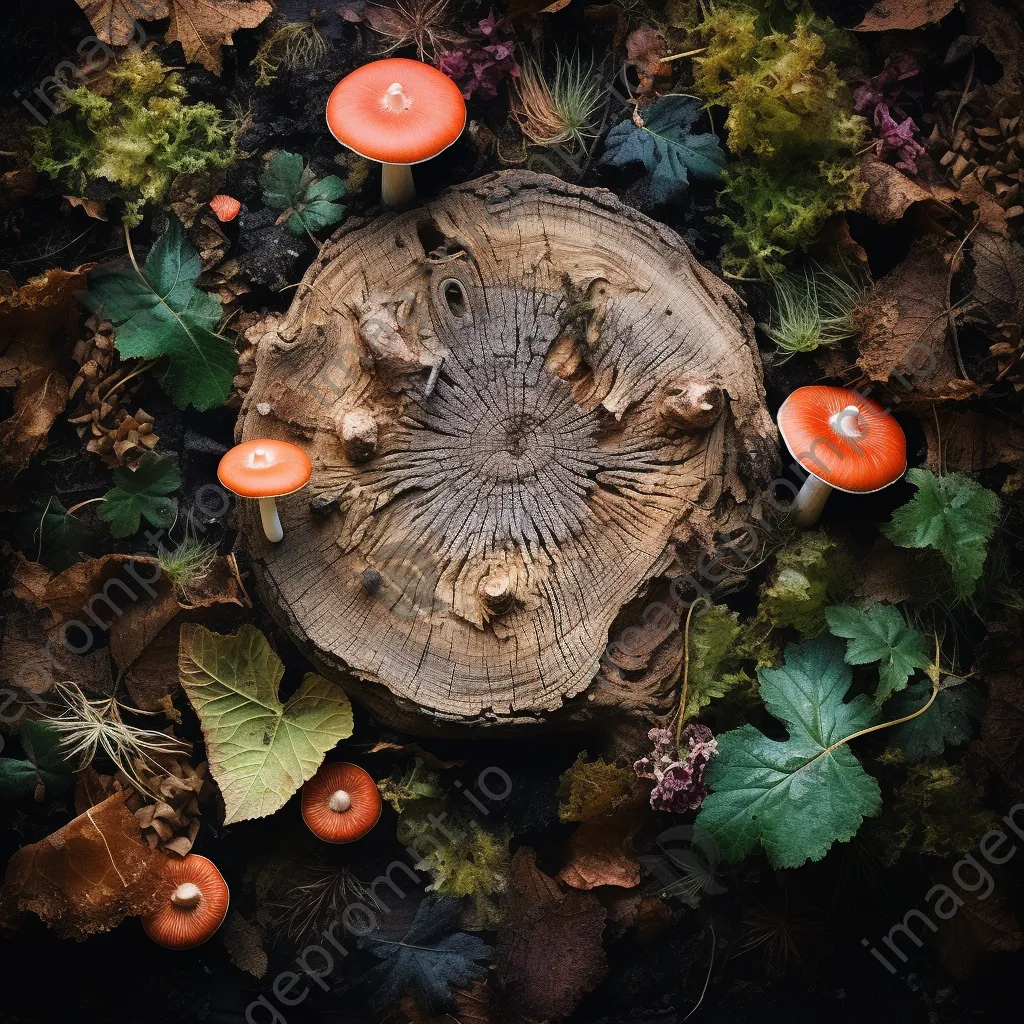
524,403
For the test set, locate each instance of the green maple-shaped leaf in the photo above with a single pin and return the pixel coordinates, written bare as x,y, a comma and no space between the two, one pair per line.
307,204
953,515
160,312
878,633
666,146
431,959
142,492
946,723
44,769
798,796
260,750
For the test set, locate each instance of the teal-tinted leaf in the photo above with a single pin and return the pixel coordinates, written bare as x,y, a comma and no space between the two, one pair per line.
946,723
307,204
666,146
794,797
48,534
431,959
142,493
953,515
45,768
878,633
161,312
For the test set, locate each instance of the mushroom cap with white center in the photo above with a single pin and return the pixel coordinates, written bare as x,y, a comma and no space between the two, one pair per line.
340,803
843,438
193,906
396,111
264,468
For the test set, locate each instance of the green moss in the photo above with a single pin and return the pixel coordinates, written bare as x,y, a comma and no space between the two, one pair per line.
589,791
139,137
791,124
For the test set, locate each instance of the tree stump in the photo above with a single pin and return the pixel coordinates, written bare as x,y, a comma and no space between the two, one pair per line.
524,403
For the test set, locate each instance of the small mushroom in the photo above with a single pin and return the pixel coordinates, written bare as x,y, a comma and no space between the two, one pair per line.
265,469
398,112
690,406
194,904
340,803
845,441
359,434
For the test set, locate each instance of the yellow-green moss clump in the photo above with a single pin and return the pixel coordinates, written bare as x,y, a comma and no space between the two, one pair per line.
790,123
139,136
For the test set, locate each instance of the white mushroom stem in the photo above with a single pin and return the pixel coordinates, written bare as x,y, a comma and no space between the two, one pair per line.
396,185
271,520
809,502
340,801
186,896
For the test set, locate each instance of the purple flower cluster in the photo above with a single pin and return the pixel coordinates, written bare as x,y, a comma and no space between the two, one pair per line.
897,138
483,61
678,774
874,97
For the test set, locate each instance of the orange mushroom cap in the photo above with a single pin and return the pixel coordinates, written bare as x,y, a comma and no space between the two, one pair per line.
396,111
839,436
195,903
340,803
225,208
264,469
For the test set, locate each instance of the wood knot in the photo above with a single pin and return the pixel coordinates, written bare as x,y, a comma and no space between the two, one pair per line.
359,434
690,406
497,594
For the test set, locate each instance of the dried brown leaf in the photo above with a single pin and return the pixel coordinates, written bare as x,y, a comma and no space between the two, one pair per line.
204,26
891,193
38,323
998,277
87,877
242,941
113,21
432,761
972,441
906,327
985,923
1001,663
887,15
549,951
602,852
472,1006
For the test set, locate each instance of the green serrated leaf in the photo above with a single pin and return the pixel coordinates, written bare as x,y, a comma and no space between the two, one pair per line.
48,534
666,146
307,204
142,493
952,515
795,797
161,312
946,723
45,768
878,633
260,750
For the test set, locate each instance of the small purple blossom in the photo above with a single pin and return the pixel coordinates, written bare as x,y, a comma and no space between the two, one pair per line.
483,61
886,86
897,138
678,774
